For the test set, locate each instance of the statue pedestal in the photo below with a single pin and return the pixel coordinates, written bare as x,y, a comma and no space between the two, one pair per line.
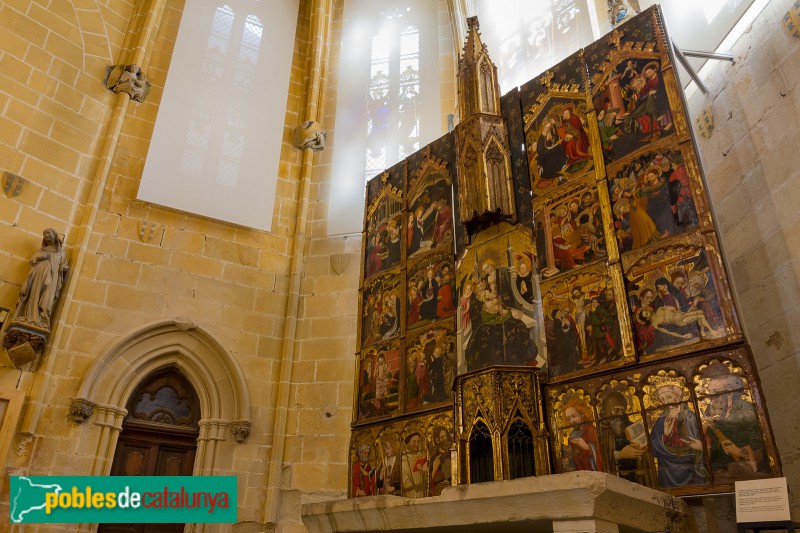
585,502
24,342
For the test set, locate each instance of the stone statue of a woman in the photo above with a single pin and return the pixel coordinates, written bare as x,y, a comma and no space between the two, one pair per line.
40,291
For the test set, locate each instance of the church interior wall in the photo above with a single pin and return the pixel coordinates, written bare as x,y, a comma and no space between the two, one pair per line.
752,167
234,282
230,281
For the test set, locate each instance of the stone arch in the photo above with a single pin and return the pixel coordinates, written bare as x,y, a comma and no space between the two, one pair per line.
212,371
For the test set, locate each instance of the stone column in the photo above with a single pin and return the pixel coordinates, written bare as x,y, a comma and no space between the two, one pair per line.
591,525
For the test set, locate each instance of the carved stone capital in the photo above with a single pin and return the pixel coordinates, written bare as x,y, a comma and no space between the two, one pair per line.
80,410
128,79
310,135
241,429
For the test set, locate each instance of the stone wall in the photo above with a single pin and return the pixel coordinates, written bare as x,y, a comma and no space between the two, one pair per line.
82,148
752,166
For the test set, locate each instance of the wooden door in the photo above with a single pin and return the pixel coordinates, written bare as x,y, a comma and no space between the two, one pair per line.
148,453
158,438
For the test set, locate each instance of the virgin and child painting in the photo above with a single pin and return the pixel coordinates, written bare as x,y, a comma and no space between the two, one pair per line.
381,302
499,312
430,212
379,381
430,291
736,447
430,366
652,198
570,228
559,146
675,300
586,322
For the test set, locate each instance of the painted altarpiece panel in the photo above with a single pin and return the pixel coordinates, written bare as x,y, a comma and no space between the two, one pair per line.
574,426
401,457
691,425
736,446
657,194
430,289
382,308
499,318
675,435
559,128
429,206
623,437
679,297
586,322
384,230
379,381
430,366
440,442
634,88
388,477
362,474
572,223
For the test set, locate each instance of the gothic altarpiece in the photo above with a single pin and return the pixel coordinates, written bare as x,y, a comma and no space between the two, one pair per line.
543,291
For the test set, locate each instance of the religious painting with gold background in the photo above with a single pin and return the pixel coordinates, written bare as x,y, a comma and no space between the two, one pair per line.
560,283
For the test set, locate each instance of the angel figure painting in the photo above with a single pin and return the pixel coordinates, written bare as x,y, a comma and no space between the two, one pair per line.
430,291
729,422
430,367
579,441
674,302
379,381
381,309
675,437
559,147
570,230
499,311
632,107
584,323
652,199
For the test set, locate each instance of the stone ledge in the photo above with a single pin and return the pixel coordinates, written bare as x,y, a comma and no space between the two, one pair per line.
528,504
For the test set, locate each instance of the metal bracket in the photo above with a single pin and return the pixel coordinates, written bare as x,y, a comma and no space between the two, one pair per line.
682,54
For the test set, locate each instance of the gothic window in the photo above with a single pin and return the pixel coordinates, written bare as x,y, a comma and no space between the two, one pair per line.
220,124
389,95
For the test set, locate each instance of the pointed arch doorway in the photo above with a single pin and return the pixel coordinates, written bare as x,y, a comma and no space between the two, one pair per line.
158,437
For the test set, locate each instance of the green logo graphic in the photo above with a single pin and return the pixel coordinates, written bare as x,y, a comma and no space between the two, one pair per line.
122,499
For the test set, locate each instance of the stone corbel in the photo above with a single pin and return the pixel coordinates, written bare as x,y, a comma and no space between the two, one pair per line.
128,79
241,429
310,135
80,410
